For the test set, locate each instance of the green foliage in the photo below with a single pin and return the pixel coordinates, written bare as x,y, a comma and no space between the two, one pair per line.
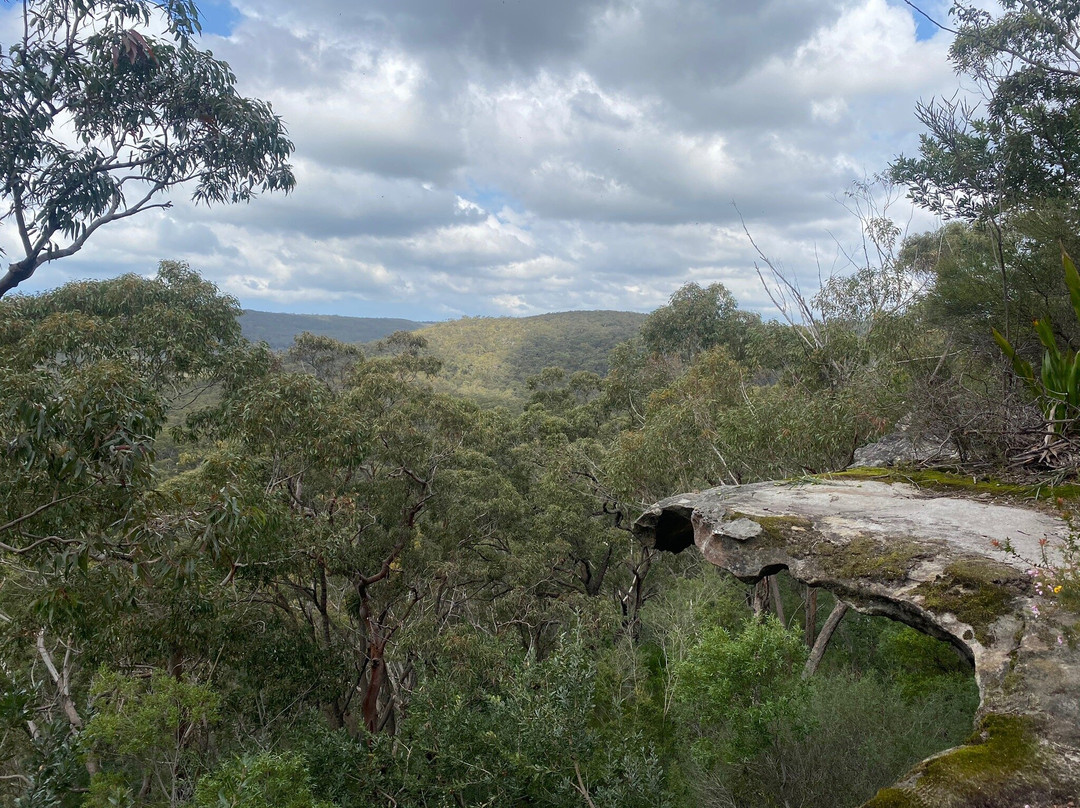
742,688
87,371
151,730
520,731
713,426
144,716
108,791
91,105
695,320
175,325
852,734
1021,146
265,780
884,698
965,291
53,769
922,666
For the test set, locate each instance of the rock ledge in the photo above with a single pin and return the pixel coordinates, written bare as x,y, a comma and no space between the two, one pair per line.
928,561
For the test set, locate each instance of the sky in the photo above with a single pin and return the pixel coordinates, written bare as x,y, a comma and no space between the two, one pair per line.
515,157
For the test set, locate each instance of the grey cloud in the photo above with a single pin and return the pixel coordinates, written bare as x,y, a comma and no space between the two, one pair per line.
594,108
517,33
435,155
353,205
267,55
662,46
175,236
346,277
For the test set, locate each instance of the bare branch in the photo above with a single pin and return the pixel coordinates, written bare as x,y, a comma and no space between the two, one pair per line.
930,19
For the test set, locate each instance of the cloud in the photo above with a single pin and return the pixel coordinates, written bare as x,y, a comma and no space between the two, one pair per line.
482,157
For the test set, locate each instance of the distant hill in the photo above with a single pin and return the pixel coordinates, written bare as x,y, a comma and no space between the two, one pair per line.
489,358
279,329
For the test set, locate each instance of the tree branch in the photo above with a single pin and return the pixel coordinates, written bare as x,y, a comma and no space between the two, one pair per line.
38,510
61,680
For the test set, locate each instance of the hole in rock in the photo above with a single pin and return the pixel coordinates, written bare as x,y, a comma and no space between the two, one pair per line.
674,533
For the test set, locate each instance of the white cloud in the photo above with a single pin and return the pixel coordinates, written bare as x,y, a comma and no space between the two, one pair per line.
454,162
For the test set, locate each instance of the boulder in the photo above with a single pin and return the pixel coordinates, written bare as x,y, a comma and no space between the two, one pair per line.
905,446
961,570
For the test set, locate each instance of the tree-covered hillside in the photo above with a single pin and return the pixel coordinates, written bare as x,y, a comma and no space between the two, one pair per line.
489,359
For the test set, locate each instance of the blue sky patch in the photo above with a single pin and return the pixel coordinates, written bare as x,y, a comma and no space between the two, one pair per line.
491,199
218,17
924,28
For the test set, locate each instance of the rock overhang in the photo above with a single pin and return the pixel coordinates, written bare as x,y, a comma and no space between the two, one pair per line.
935,563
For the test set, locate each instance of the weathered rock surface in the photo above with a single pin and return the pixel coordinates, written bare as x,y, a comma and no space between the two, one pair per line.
928,561
904,446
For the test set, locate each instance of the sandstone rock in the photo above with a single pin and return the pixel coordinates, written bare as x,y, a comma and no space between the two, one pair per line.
931,562
904,446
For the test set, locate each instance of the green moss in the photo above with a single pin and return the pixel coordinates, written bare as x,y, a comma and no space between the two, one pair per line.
956,483
977,590
877,560
862,557
1013,681
1002,747
998,765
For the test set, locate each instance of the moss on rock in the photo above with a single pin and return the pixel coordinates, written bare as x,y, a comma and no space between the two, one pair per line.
977,590
791,532
861,558
1000,747
999,764
868,558
958,484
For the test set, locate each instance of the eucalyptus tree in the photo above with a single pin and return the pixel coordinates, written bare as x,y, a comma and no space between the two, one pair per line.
1001,162
87,373
1021,144
696,319
99,117
343,473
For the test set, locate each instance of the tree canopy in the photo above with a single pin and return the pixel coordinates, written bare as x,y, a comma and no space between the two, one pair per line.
1023,143
354,589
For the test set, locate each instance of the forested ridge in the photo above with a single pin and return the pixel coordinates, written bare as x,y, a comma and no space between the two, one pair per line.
488,359
353,575
491,359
